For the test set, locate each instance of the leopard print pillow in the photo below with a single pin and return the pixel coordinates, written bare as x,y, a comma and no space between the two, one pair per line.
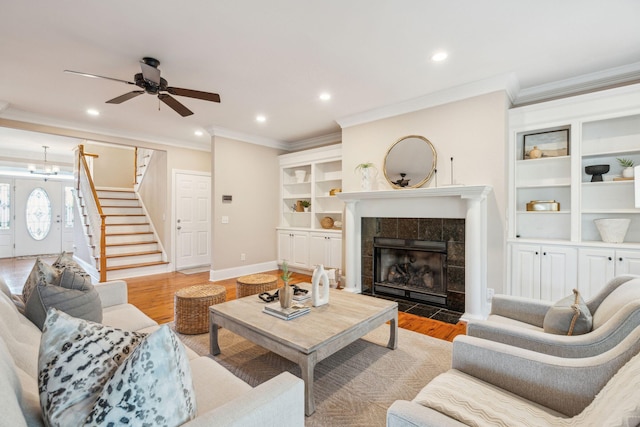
153,386
91,374
77,358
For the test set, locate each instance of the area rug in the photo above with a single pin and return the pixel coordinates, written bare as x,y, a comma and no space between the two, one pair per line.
353,387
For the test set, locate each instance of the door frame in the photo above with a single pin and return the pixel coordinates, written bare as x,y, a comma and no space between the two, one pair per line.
174,240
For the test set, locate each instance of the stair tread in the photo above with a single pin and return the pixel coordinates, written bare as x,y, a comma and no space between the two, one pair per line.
143,264
151,242
122,214
115,190
128,234
133,254
128,223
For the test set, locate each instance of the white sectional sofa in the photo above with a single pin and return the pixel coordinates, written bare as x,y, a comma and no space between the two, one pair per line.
222,399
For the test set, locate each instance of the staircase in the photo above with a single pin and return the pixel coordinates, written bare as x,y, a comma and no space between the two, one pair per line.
132,247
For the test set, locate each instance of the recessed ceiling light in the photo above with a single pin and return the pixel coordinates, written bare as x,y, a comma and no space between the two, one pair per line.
439,56
198,133
324,96
93,112
260,118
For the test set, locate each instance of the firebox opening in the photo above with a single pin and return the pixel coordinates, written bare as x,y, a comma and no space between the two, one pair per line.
410,269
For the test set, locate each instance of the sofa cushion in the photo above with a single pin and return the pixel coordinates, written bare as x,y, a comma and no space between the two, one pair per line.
40,273
76,360
126,316
214,384
618,298
72,293
65,260
4,288
11,390
569,316
152,386
21,336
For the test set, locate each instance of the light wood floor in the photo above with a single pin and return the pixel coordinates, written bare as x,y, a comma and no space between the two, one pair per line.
154,295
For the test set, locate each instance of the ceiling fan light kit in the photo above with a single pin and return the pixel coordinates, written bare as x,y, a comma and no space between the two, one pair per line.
150,81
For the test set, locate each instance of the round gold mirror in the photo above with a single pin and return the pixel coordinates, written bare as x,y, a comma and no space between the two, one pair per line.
410,162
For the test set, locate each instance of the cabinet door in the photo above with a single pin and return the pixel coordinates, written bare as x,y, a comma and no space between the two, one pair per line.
335,249
317,250
299,250
627,262
525,271
558,272
284,246
596,267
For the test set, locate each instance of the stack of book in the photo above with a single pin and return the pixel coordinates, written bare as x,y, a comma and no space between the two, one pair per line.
292,312
302,298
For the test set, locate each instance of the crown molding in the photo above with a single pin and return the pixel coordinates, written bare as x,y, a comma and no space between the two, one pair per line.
62,125
505,82
317,141
600,80
245,137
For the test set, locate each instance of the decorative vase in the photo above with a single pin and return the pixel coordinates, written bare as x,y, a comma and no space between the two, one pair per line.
535,153
299,207
612,230
285,295
366,178
627,172
319,295
301,174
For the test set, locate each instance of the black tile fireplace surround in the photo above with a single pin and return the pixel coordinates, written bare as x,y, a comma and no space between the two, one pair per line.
450,232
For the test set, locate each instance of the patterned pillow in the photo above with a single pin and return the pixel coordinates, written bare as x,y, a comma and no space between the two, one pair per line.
91,374
153,386
569,316
65,260
40,273
76,360
72,293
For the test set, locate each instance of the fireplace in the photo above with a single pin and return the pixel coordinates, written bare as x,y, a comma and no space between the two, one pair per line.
373,213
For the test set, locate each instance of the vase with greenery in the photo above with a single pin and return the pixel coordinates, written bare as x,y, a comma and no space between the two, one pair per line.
367,175
306,205
627,167
286,293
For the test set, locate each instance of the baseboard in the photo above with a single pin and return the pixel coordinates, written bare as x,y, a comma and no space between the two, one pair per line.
244,270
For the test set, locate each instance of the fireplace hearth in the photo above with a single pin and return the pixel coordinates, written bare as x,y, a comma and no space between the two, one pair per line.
410,269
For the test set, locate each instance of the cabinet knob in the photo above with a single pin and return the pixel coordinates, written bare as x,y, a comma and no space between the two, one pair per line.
620,259
536,252
544,253
610,258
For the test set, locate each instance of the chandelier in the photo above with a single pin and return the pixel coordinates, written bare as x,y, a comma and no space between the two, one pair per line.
47,168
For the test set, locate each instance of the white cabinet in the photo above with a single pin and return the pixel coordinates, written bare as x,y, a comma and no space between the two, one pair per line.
293,247
311,176
597,266
325,249
543,272
573,133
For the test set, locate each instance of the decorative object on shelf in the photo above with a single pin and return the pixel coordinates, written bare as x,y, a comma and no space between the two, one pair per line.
327,222
299,206
535,153
415,157
335,191
612,230
627,164
553,143
306,205
402,182
596,171
543,205
319,295
337,224
367,175
301,174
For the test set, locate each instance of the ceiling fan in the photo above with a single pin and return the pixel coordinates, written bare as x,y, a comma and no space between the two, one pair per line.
149,80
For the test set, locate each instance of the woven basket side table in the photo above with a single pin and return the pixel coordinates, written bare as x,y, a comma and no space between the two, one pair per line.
255,284
192,307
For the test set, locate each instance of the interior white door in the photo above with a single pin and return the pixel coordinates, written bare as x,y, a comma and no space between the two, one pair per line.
45,218
193,219
6,218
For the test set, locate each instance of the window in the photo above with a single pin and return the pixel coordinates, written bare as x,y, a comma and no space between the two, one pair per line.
68,207
5,206
38,214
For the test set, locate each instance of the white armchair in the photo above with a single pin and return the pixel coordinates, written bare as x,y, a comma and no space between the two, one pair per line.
519,321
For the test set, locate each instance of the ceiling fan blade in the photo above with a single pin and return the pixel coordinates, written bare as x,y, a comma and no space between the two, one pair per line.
173,103
150,74
127,96
95,76
207,96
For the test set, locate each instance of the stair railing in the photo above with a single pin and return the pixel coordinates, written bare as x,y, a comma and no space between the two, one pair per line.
97,218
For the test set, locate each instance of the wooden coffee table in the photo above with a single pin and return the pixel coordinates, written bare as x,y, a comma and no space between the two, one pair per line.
308,339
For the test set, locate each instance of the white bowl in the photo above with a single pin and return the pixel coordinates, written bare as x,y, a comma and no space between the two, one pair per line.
612,230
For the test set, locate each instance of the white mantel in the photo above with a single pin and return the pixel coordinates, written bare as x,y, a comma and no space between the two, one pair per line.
468,202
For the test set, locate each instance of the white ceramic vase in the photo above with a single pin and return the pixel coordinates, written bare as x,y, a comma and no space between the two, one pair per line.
301,174
627,172
612,230
367,175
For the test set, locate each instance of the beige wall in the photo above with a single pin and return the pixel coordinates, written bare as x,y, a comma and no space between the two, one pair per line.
249,173
153,192
114,166
472,131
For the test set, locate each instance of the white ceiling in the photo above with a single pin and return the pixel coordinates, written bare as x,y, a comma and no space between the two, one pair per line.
275,57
